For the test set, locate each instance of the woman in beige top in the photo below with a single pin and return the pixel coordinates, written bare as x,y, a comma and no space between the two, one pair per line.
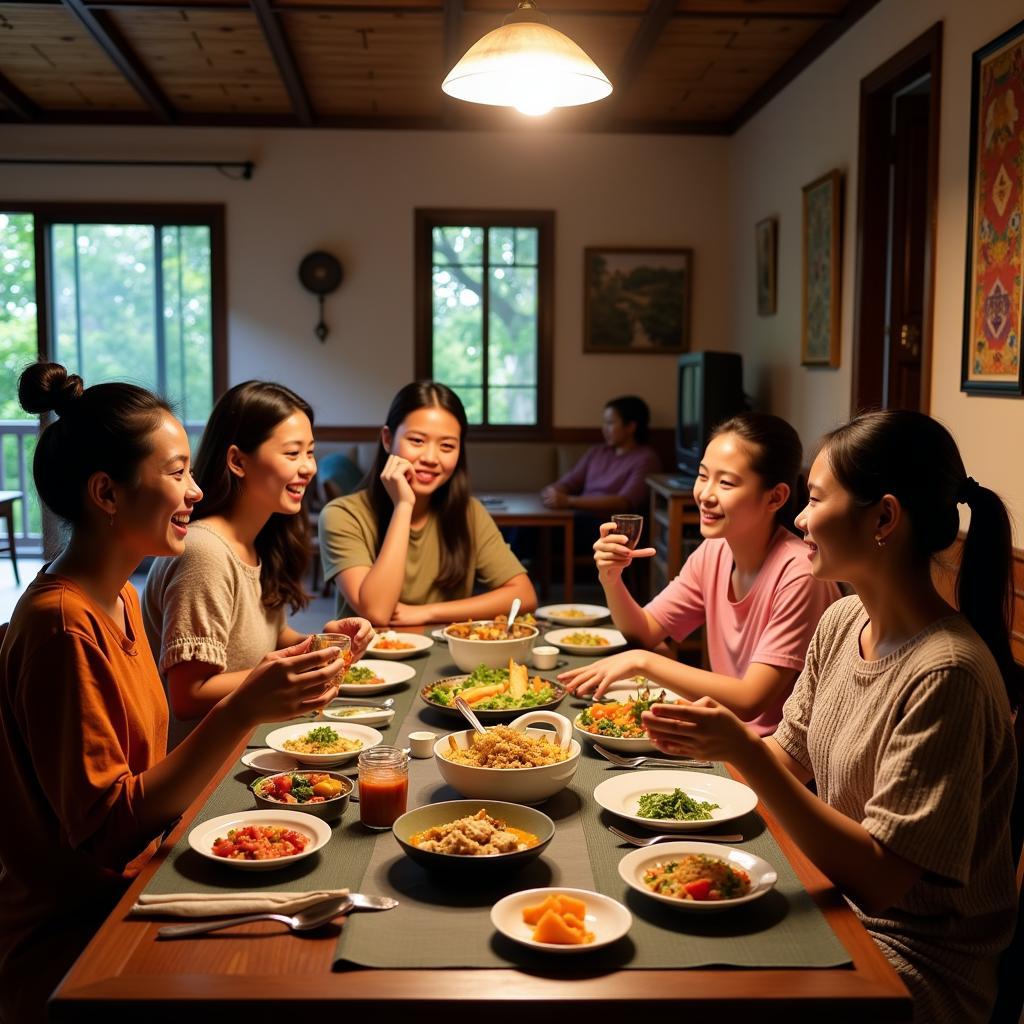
902,714
216,610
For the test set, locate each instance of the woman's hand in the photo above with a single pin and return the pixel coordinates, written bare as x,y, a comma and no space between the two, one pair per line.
411,615
288,683
359,630
612,554
601,674
701,728
396,476
552,497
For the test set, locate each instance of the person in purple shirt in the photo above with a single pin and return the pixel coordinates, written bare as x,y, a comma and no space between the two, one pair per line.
611,477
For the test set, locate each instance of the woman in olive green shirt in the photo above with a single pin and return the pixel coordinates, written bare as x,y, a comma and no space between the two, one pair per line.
411,548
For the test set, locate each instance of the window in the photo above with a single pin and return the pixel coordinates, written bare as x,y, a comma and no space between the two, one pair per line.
135,293
484,313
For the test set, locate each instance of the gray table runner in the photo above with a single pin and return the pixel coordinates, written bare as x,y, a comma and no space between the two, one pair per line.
443,922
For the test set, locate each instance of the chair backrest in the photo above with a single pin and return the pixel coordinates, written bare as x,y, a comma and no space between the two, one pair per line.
338,475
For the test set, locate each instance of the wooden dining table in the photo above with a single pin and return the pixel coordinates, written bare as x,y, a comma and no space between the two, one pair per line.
262,973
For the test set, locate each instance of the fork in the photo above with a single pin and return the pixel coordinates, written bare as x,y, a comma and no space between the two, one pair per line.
636,762
695,836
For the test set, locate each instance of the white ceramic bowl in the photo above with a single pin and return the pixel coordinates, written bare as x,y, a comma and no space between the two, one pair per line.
468,654
202,837
515,785
762,875
606,918
366,736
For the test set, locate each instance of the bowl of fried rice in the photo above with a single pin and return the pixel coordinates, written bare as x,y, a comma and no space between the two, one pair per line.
515,763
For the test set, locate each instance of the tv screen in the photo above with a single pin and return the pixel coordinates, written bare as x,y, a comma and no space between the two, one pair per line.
710,391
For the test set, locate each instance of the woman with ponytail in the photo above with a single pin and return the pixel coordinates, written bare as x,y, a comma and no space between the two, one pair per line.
902,714
748,582
88,787
214,611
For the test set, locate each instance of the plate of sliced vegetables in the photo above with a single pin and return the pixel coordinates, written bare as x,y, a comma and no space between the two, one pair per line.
616,724
495,694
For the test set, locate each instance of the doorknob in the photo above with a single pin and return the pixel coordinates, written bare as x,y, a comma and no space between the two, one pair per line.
909,339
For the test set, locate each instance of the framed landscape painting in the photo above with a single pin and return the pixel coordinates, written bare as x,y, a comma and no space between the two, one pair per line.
637,300
766,247
819,344
995,244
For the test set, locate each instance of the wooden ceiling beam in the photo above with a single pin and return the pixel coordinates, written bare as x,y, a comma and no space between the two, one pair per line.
23,107
109,39
658,15
284,59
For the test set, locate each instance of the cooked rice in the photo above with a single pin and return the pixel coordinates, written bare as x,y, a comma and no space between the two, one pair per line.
503,747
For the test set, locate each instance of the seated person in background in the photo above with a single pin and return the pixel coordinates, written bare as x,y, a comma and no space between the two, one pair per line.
88,786
215,610
902,713
749,582
610,477
411,548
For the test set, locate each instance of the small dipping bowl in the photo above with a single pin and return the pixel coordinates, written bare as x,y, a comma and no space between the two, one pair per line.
545,657
422,743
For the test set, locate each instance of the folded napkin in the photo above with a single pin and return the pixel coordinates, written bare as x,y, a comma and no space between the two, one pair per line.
221,904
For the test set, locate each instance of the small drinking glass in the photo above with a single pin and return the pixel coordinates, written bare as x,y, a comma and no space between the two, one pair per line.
321,641
383,786
631,526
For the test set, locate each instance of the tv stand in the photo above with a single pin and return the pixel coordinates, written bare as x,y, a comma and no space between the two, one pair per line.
681,483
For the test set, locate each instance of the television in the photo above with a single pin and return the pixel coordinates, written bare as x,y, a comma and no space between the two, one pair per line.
710,391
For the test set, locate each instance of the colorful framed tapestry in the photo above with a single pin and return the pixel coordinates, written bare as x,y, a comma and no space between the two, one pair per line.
766,247
819,339
637,300
995,245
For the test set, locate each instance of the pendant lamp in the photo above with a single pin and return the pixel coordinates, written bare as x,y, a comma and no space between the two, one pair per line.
528,65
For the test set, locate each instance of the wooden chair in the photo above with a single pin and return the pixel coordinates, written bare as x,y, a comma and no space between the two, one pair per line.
7,500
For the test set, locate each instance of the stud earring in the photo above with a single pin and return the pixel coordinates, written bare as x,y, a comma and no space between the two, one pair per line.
879,540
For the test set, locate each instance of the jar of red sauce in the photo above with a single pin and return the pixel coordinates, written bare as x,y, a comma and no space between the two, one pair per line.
383,786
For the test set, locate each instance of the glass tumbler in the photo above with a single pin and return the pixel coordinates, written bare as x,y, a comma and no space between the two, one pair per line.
631,526
321,641
383,786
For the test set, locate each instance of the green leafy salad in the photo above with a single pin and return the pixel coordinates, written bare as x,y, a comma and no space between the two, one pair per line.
621,719
494,689
674,806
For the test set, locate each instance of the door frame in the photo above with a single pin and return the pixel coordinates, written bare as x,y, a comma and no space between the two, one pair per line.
921,57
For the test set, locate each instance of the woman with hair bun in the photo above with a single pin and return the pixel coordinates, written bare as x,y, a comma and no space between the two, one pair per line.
902,714
89,790
214,611
748,583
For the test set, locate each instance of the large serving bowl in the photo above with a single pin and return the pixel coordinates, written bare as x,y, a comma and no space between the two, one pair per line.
516,785
467,654
516,815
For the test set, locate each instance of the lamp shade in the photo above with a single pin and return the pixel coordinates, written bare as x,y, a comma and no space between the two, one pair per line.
528,65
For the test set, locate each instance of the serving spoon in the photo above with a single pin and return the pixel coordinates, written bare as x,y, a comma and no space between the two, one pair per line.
516,605
468,714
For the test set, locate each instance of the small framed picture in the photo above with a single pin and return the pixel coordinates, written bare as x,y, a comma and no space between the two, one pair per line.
819,344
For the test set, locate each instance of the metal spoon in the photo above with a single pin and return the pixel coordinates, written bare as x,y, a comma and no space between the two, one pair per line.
384,705
468,714
516,603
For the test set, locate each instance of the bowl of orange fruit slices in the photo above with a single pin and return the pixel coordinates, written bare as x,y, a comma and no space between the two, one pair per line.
561,920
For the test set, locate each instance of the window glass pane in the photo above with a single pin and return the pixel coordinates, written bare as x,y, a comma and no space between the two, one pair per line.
461,244
526,247
472,399
65,297
116,304
458,326
188,331
512,324
510,406
513,246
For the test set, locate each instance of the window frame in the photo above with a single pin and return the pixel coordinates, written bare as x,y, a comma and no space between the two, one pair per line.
425,220
160,215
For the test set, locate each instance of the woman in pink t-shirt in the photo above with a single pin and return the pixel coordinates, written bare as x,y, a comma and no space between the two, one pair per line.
749,582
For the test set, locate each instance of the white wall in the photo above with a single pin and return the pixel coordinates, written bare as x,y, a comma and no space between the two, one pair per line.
353,193
812,127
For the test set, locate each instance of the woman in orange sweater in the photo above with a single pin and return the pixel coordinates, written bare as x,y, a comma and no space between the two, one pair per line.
88,789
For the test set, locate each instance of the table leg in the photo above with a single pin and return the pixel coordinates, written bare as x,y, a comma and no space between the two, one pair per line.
569,555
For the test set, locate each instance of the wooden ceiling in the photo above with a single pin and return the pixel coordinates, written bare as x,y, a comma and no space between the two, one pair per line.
683,66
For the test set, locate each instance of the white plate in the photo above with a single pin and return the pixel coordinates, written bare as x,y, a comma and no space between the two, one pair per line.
349,730
762,875
608,919
613,636
363,716
202,837
419,642
624,691
393,675
621,793
556,613
269,761
438,635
